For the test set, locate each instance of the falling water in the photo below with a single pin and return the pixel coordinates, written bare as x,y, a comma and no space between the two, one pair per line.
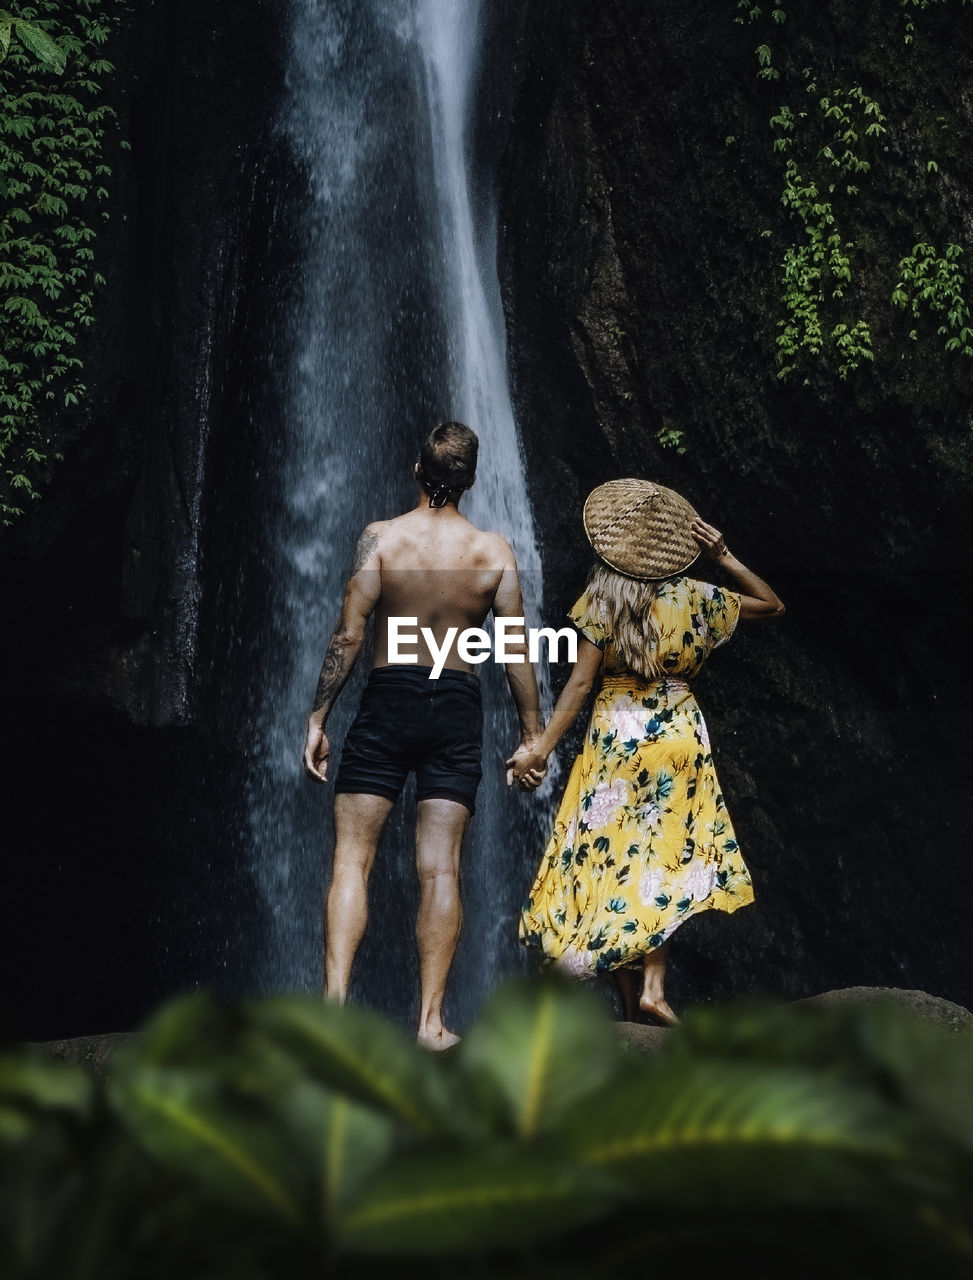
398,324
448,35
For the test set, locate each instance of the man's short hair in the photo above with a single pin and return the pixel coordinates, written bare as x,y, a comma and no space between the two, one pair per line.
448,457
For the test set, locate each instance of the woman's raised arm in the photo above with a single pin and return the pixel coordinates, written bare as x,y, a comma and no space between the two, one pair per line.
757,600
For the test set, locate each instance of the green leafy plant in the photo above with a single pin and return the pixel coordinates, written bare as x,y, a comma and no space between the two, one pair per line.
747,12
54,129
671,437
34,38
928,282
286,1137
817,268
828,146
765,61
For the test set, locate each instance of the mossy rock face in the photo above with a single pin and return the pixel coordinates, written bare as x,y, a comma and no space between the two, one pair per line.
643,300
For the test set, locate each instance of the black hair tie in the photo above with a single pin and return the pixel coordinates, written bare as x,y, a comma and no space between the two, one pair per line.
439,495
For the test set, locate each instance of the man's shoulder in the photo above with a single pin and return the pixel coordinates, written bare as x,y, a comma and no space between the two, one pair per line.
368,544
390,532
380,530
496,543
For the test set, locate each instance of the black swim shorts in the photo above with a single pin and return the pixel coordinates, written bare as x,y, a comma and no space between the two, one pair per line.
407,722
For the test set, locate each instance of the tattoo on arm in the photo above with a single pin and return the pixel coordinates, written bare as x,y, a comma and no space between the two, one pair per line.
344,645
331,677
366,545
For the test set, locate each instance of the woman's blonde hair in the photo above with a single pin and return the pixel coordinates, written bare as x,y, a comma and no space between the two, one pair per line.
627,614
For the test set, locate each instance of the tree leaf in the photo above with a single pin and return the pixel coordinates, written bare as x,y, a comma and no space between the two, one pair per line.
40,45
29,1080
363,1055
932,1068
538,1048
233,1147
465,1201
746,1135
341,1141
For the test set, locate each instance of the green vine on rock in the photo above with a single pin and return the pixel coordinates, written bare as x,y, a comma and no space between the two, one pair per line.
54,126
837,265
817,269
928,281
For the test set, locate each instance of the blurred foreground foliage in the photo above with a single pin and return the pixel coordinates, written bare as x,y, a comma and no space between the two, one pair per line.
284,1137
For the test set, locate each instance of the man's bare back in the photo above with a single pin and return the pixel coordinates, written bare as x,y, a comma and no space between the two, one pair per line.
439,568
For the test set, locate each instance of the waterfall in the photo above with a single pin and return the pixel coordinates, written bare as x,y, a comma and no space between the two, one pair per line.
448,35
397,324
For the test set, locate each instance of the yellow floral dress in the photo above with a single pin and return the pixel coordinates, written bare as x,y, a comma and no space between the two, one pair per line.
642,839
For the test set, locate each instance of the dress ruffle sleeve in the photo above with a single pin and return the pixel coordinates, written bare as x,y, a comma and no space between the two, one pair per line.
589,615
720,610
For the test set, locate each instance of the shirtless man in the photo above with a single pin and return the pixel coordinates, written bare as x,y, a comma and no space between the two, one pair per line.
432,565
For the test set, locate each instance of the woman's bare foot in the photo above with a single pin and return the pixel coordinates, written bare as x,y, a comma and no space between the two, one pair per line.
441,1039
658,1007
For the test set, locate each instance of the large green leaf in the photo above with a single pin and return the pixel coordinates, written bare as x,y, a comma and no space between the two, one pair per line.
734,1134
31,1084
881,1047
929,1068
468,1201
221,1138
363,1055
538,1049
341,1141
40,45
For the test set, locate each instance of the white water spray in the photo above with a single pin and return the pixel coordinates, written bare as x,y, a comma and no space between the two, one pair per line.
399,324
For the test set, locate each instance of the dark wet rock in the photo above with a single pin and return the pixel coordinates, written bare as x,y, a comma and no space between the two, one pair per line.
642,1038
944,1013
645,1039
642,298
94,1053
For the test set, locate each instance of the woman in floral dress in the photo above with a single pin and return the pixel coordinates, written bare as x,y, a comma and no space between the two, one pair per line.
642,840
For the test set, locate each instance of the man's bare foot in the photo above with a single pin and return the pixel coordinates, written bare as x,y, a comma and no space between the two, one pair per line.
658,1007
442,1039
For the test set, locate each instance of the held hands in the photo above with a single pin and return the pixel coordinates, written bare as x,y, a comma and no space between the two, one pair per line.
527,765
317,750
710,540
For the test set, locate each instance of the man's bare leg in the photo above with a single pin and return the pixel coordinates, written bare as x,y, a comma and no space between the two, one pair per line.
358,822
652,999
439,836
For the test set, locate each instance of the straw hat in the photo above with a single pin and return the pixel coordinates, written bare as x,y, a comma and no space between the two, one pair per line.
640,528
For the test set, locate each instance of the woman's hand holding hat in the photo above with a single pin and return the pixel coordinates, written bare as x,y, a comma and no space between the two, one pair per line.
710,539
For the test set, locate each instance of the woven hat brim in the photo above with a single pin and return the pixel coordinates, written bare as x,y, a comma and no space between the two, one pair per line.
640,529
